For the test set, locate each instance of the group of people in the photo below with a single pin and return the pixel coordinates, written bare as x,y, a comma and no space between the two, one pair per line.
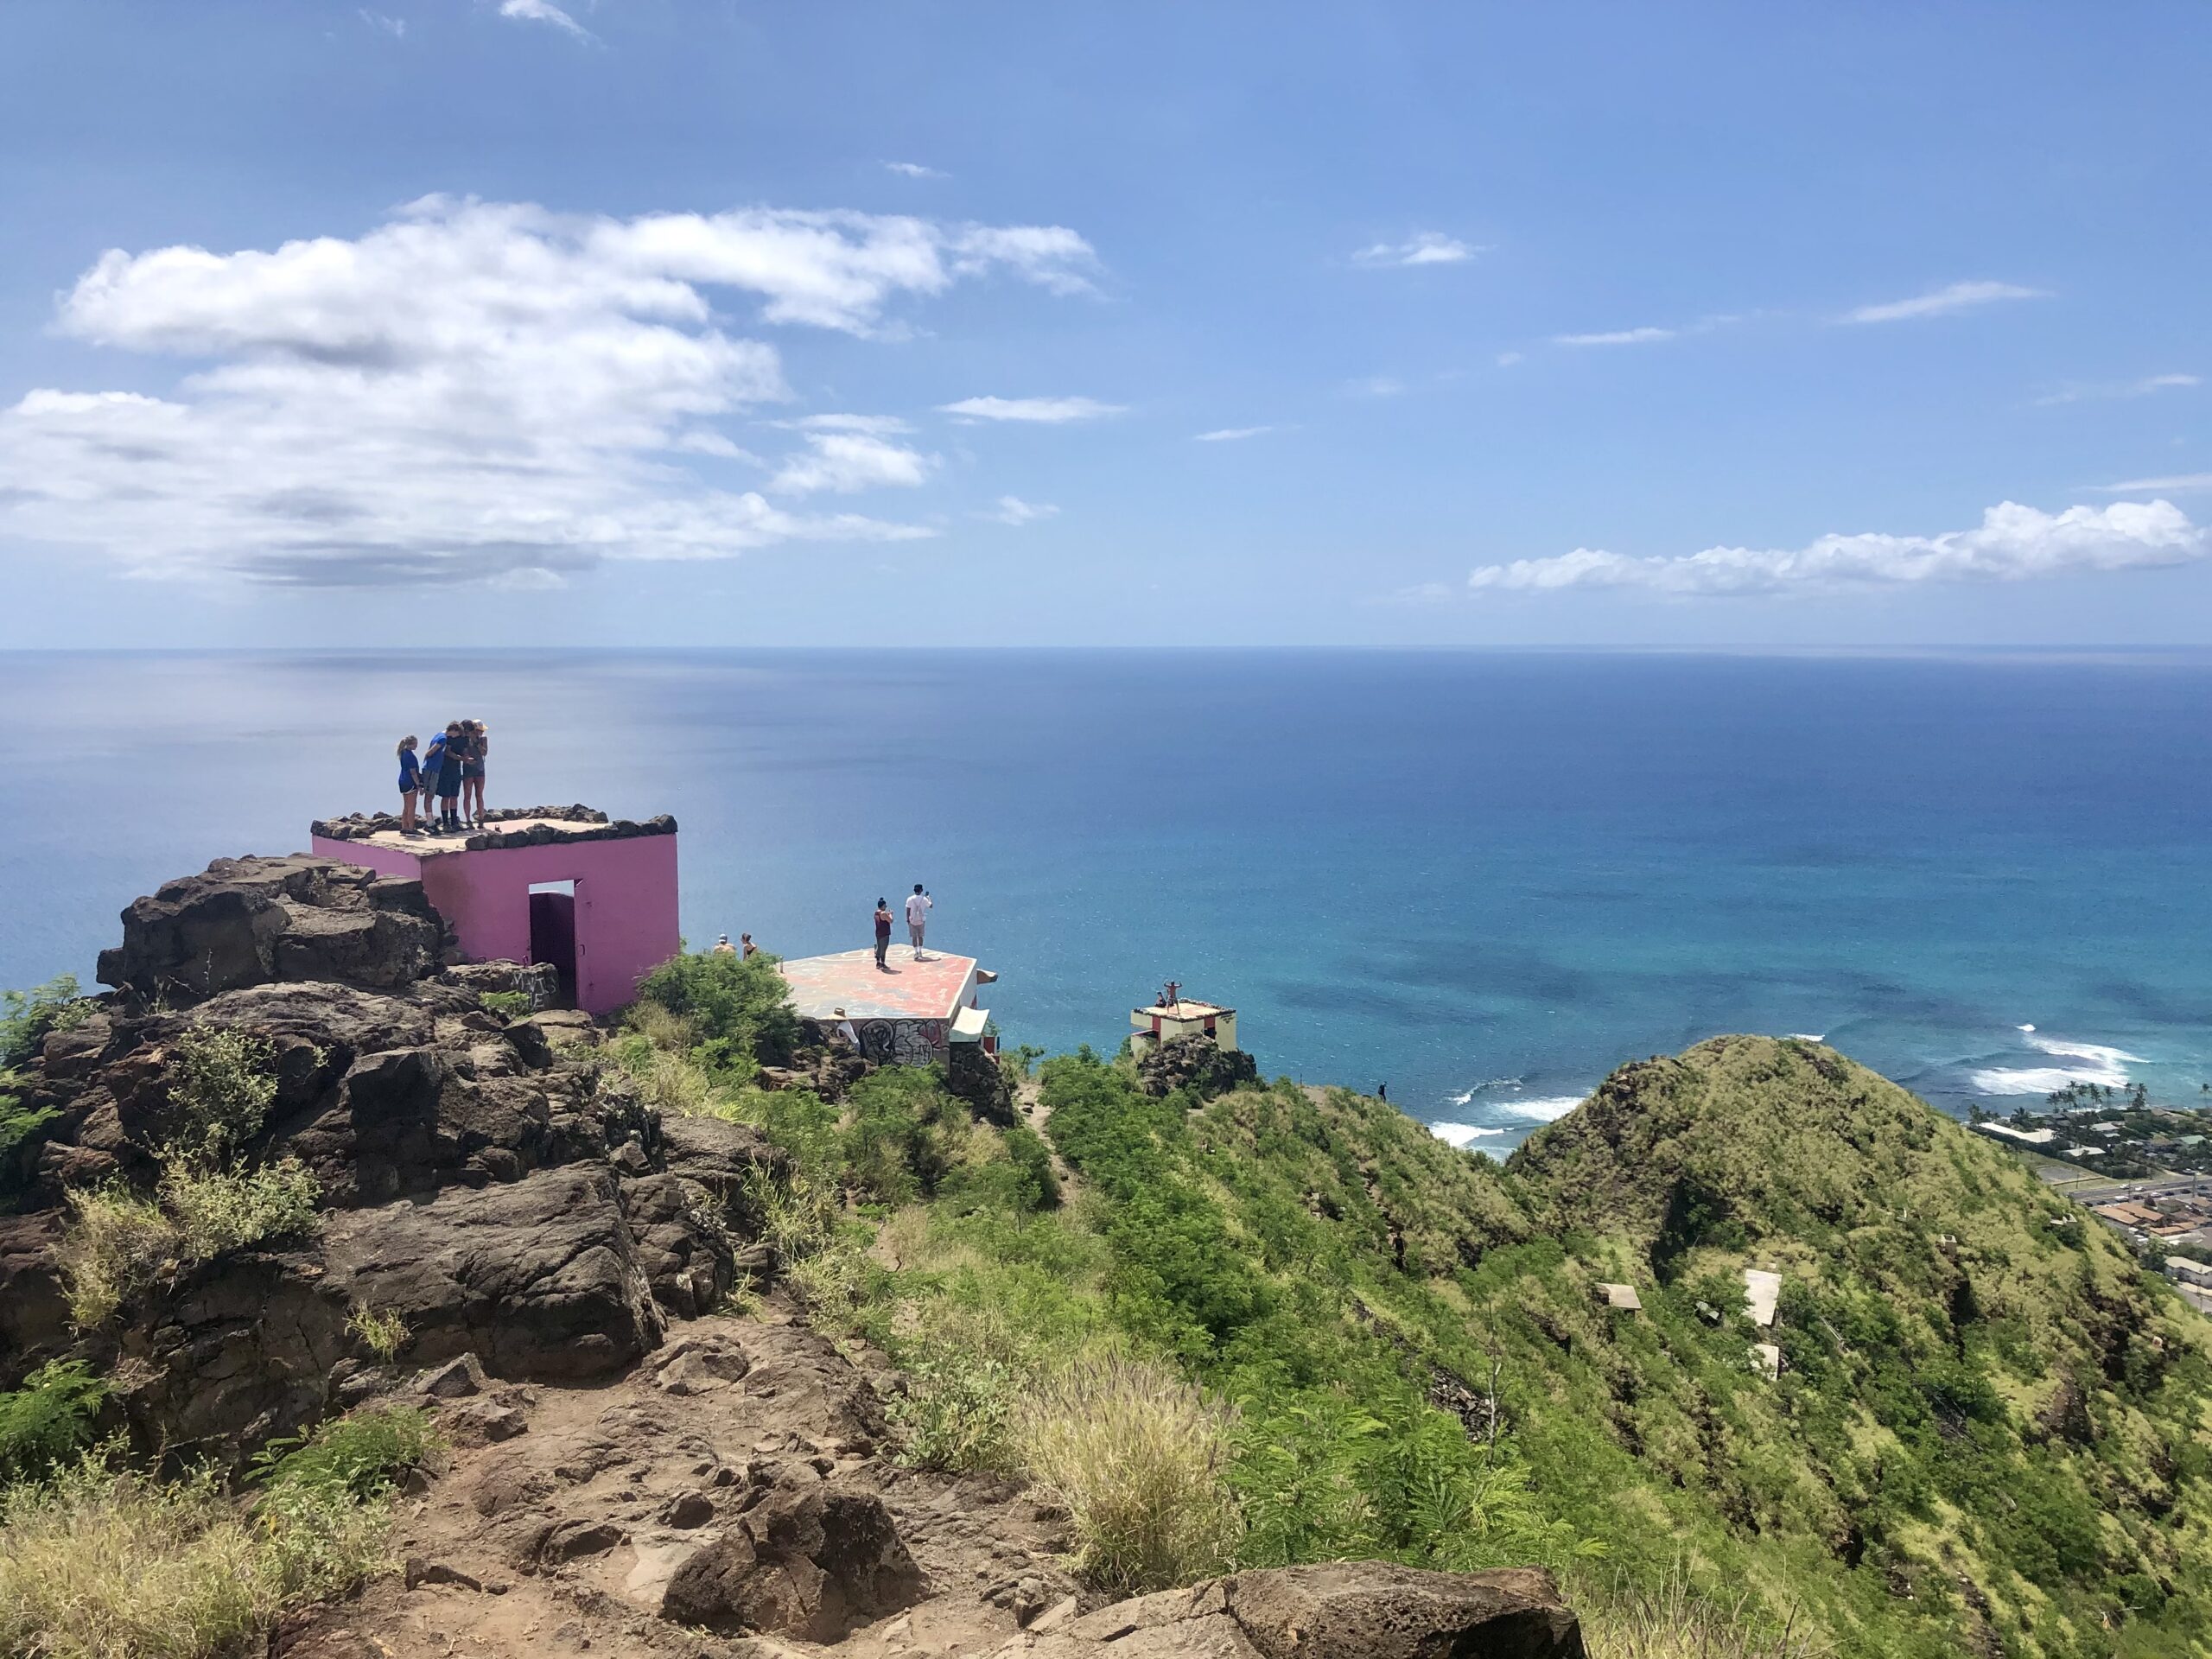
744,947
918,917
446,778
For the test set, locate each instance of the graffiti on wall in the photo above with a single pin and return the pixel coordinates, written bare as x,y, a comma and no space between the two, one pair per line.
903,1042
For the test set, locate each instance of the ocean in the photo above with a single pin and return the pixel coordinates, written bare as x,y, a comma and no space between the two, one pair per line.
1484,879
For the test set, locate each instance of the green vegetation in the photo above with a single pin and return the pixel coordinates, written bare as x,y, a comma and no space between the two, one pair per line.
512,1005
98,1562
26,1018
382,1331
205,1204
1991,1430
737,1009
48,1421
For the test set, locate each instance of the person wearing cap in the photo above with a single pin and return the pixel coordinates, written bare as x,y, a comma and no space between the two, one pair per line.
724,947
846,1034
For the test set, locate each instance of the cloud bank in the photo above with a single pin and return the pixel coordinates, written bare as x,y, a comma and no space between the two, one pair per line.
2011,543
475,390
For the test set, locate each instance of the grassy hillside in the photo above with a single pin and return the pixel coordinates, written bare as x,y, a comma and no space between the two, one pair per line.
1991,1432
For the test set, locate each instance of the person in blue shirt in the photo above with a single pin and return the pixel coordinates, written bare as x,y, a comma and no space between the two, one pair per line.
411,781
434,767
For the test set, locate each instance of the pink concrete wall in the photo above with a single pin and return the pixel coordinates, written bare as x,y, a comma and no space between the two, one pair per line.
625,903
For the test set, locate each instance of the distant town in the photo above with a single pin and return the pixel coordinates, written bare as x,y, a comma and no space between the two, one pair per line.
2144,1170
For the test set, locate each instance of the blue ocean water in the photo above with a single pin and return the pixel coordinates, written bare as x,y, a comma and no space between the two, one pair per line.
1484,878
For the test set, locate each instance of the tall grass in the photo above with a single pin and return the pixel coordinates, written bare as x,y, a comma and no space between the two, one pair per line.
117,1242
102,1564
114,1242
1673,1621
1139,1457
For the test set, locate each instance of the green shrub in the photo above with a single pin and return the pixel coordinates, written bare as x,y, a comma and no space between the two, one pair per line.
740,1007
957,1409
224,1209
361,1455
512,1005
48,1421
1138,1457
904,1136
112,1245
26,1017
382,1331
222,1083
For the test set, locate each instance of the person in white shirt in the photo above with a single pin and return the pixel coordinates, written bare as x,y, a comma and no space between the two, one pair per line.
852,1039
918,916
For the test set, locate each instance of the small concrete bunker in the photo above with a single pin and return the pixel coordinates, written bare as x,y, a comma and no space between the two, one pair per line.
595,898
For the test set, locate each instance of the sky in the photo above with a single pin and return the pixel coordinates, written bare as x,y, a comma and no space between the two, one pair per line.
442,323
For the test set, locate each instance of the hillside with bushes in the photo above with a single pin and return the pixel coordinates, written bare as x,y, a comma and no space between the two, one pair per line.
657,1320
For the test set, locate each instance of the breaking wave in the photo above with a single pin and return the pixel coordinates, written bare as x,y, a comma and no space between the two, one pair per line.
1460,1134
2099,1064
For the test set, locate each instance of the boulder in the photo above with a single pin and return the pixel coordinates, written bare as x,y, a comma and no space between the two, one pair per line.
1348,1609
810,1562
246,921
540,1279
683,1246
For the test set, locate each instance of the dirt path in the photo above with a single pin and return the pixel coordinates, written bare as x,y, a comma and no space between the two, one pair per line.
558,1536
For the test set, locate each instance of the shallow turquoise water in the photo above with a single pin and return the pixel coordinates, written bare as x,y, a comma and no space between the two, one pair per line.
1484,878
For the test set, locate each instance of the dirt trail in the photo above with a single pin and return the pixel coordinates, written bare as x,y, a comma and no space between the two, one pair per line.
559,1535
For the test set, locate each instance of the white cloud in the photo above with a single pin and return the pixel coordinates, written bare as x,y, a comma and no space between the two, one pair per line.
1507,359
913,170
1375,385
1012,509
1051,411
1616,337
395,27
543,11
1958,296
879,425
1425,248
469,389
2142,388
1232,434
849,462
2176,484
2011,543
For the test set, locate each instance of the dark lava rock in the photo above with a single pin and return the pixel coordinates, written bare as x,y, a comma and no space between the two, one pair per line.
811,1562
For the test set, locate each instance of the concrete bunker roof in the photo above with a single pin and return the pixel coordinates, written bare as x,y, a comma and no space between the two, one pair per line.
513,826
935,987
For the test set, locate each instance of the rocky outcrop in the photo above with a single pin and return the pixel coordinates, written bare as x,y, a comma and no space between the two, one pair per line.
1195,1063
485,1179
1350,1609
245,921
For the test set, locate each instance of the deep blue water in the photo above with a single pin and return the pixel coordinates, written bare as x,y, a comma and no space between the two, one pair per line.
1486,879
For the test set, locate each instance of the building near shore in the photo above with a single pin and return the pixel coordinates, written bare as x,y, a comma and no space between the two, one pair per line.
914,1011
1165,1021
595,898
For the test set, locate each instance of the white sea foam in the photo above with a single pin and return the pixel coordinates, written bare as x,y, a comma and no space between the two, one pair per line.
1810,1036
2104,1065
1545,1111
1462,1098
2023,1027
1460,1135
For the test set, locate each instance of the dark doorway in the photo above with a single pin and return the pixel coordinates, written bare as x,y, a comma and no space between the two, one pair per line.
553,932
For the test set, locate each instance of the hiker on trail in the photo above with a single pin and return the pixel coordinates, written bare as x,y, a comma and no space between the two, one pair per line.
1382,1093
411,781
472,771
449,778
433,766
724,947
918,917
746,947
882,932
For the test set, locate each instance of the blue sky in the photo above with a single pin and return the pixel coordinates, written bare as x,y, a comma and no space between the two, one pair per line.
457,322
